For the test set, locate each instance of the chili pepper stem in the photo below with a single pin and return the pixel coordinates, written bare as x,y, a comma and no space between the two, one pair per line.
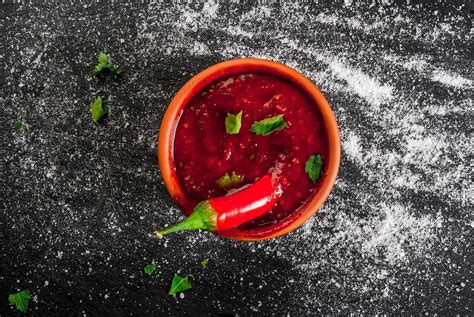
203,217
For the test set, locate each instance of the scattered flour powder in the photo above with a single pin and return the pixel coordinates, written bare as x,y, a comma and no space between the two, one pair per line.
403,198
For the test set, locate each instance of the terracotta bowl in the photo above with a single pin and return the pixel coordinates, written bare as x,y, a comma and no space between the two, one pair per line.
227,69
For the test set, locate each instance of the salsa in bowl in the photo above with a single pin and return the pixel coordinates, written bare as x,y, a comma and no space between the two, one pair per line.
249,131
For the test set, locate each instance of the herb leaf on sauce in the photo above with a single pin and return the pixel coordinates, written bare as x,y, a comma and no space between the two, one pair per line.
313,167
98,109
20,300
228,182
179,284
149,268
269,125
204,263
104,66
233,123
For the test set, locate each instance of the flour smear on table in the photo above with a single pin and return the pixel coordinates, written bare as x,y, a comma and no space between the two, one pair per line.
404,195
380,223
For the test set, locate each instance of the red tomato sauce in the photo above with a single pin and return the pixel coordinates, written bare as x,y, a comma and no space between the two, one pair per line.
203,151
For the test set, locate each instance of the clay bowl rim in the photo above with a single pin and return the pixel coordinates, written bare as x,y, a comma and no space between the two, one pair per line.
234,67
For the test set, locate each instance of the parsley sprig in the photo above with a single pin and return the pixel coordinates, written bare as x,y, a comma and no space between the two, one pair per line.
313,167
233,122
149,269
228,182
20,300
179,284
269,125
98,109
204,263
104,67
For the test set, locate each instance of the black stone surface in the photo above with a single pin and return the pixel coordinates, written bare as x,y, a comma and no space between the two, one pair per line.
80,201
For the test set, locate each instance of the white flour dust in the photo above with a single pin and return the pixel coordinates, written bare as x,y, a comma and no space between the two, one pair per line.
386,140
395,229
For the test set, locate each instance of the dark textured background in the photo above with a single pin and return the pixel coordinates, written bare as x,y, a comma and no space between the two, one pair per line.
80,201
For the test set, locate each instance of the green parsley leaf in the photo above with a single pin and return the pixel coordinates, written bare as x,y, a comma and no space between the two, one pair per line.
98,109
103,58
149,268
228,182
104,66
179,284
20,300
18,125
269,125
233,123
98,69
313,167
204,263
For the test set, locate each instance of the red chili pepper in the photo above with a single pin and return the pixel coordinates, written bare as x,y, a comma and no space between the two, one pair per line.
226,212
